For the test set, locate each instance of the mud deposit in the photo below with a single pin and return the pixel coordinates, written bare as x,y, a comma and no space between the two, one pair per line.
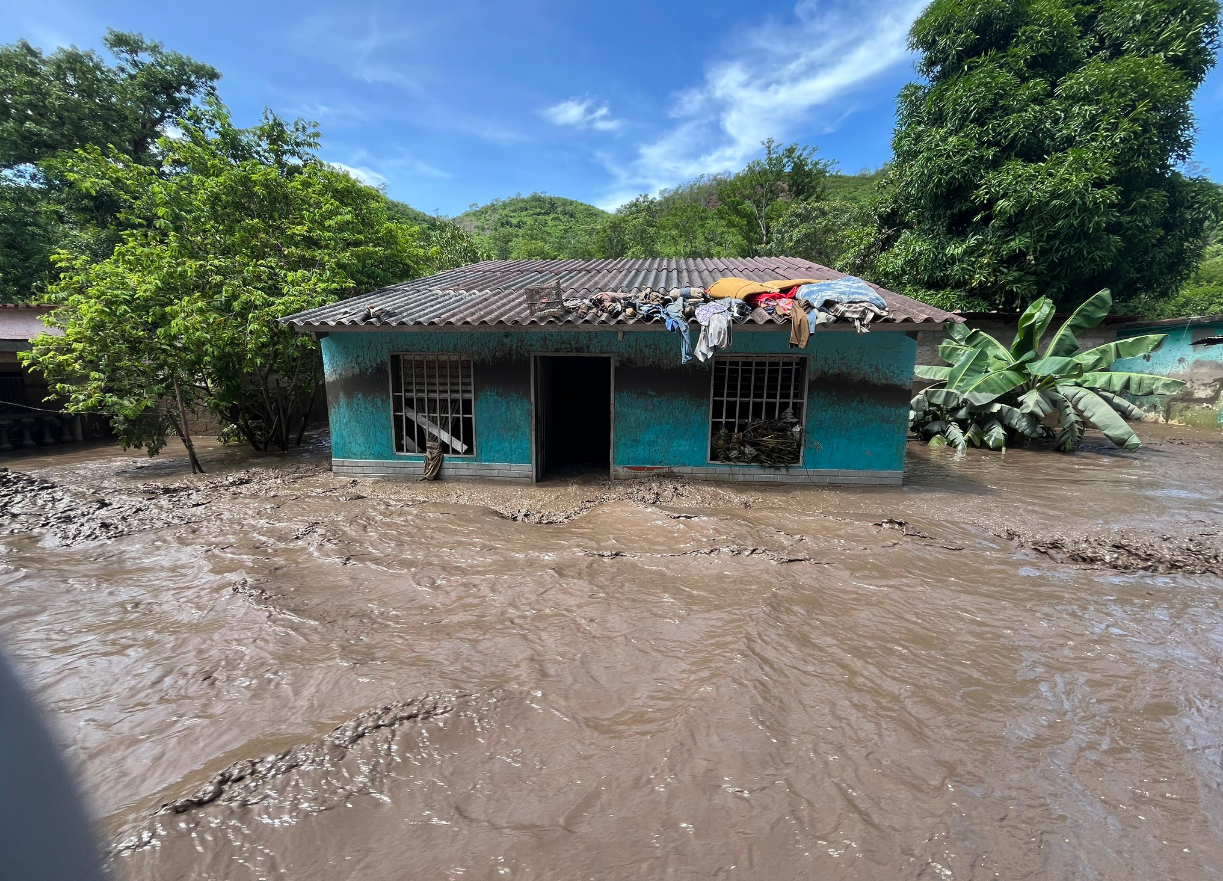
1007,669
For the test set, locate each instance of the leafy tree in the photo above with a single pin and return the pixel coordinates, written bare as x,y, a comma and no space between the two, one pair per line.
754,199
234,229
995,396
1041,153
51,105
836,233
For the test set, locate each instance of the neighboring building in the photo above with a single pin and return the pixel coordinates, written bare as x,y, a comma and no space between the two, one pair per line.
516,391
1193,352
23,423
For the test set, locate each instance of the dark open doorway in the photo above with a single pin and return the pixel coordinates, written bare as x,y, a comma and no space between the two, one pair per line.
573,407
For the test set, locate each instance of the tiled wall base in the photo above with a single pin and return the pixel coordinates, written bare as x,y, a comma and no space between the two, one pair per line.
414,468
758,474
497,471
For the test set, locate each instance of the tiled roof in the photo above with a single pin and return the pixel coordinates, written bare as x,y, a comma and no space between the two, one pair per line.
492,292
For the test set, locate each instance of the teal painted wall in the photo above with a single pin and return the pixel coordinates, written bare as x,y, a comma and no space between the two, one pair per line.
1200,367
857,413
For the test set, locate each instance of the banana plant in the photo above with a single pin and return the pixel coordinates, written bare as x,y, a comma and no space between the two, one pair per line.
992,395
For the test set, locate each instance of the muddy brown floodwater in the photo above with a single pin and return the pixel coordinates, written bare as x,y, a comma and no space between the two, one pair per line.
1010,668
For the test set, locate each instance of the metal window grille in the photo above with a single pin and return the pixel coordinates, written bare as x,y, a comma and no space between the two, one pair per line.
752,389
432,399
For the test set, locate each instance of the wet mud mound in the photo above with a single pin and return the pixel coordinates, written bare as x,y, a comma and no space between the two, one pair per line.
268,779
70,515
1131,551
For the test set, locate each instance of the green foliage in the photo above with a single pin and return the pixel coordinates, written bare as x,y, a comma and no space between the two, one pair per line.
861,188
55,104
996,396
72,98
232,230
1040,155
1202,294
753,200
839,233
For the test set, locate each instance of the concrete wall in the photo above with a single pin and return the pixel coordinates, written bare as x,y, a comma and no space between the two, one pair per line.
856,415
1200,367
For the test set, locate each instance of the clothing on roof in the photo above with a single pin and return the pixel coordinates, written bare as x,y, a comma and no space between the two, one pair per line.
741,288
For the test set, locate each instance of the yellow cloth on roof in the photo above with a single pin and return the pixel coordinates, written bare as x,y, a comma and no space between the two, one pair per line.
738,288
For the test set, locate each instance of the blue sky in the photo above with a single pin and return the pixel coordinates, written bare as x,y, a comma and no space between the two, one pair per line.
461,102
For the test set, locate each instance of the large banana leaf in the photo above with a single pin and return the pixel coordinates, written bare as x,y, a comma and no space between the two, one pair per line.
1097,411
938,374
1090,314
952,351
1071,434
1014,419
1138,384
990,386
995,435
979,339
1032,326
1102,356
957,330
1128,409
1056,365
942,397
955,436
1036,402
970,365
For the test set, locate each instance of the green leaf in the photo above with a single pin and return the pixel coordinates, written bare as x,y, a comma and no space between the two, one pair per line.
952,351
955,436
936,374
1127,409
957,330
989,387
979,339
1032,326
942,397
971,365
1131,347
1094,310
1071,434
1136,384
1098,412
1036,402
995,435
1015,419
938,441
1056,366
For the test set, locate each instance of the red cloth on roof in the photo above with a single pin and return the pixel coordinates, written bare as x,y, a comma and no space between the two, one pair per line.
762,301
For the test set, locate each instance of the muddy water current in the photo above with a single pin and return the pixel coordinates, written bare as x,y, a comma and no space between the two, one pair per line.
1010,668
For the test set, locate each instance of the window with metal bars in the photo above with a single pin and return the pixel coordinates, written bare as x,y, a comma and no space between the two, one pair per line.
432,400
750,394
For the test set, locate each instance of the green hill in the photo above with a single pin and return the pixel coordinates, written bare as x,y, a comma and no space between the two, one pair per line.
534,227
858,187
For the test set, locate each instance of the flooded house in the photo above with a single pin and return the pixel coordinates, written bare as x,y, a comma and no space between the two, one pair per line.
764,369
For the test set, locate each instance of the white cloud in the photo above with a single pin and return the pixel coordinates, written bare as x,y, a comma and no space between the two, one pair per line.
778,78
367,176
581,113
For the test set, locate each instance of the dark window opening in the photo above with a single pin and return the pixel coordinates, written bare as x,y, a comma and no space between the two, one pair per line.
433,399
757,410
572,414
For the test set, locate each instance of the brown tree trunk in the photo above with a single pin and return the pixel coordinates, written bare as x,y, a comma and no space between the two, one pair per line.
184,432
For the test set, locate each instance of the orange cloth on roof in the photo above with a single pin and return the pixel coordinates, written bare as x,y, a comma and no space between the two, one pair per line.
738,288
